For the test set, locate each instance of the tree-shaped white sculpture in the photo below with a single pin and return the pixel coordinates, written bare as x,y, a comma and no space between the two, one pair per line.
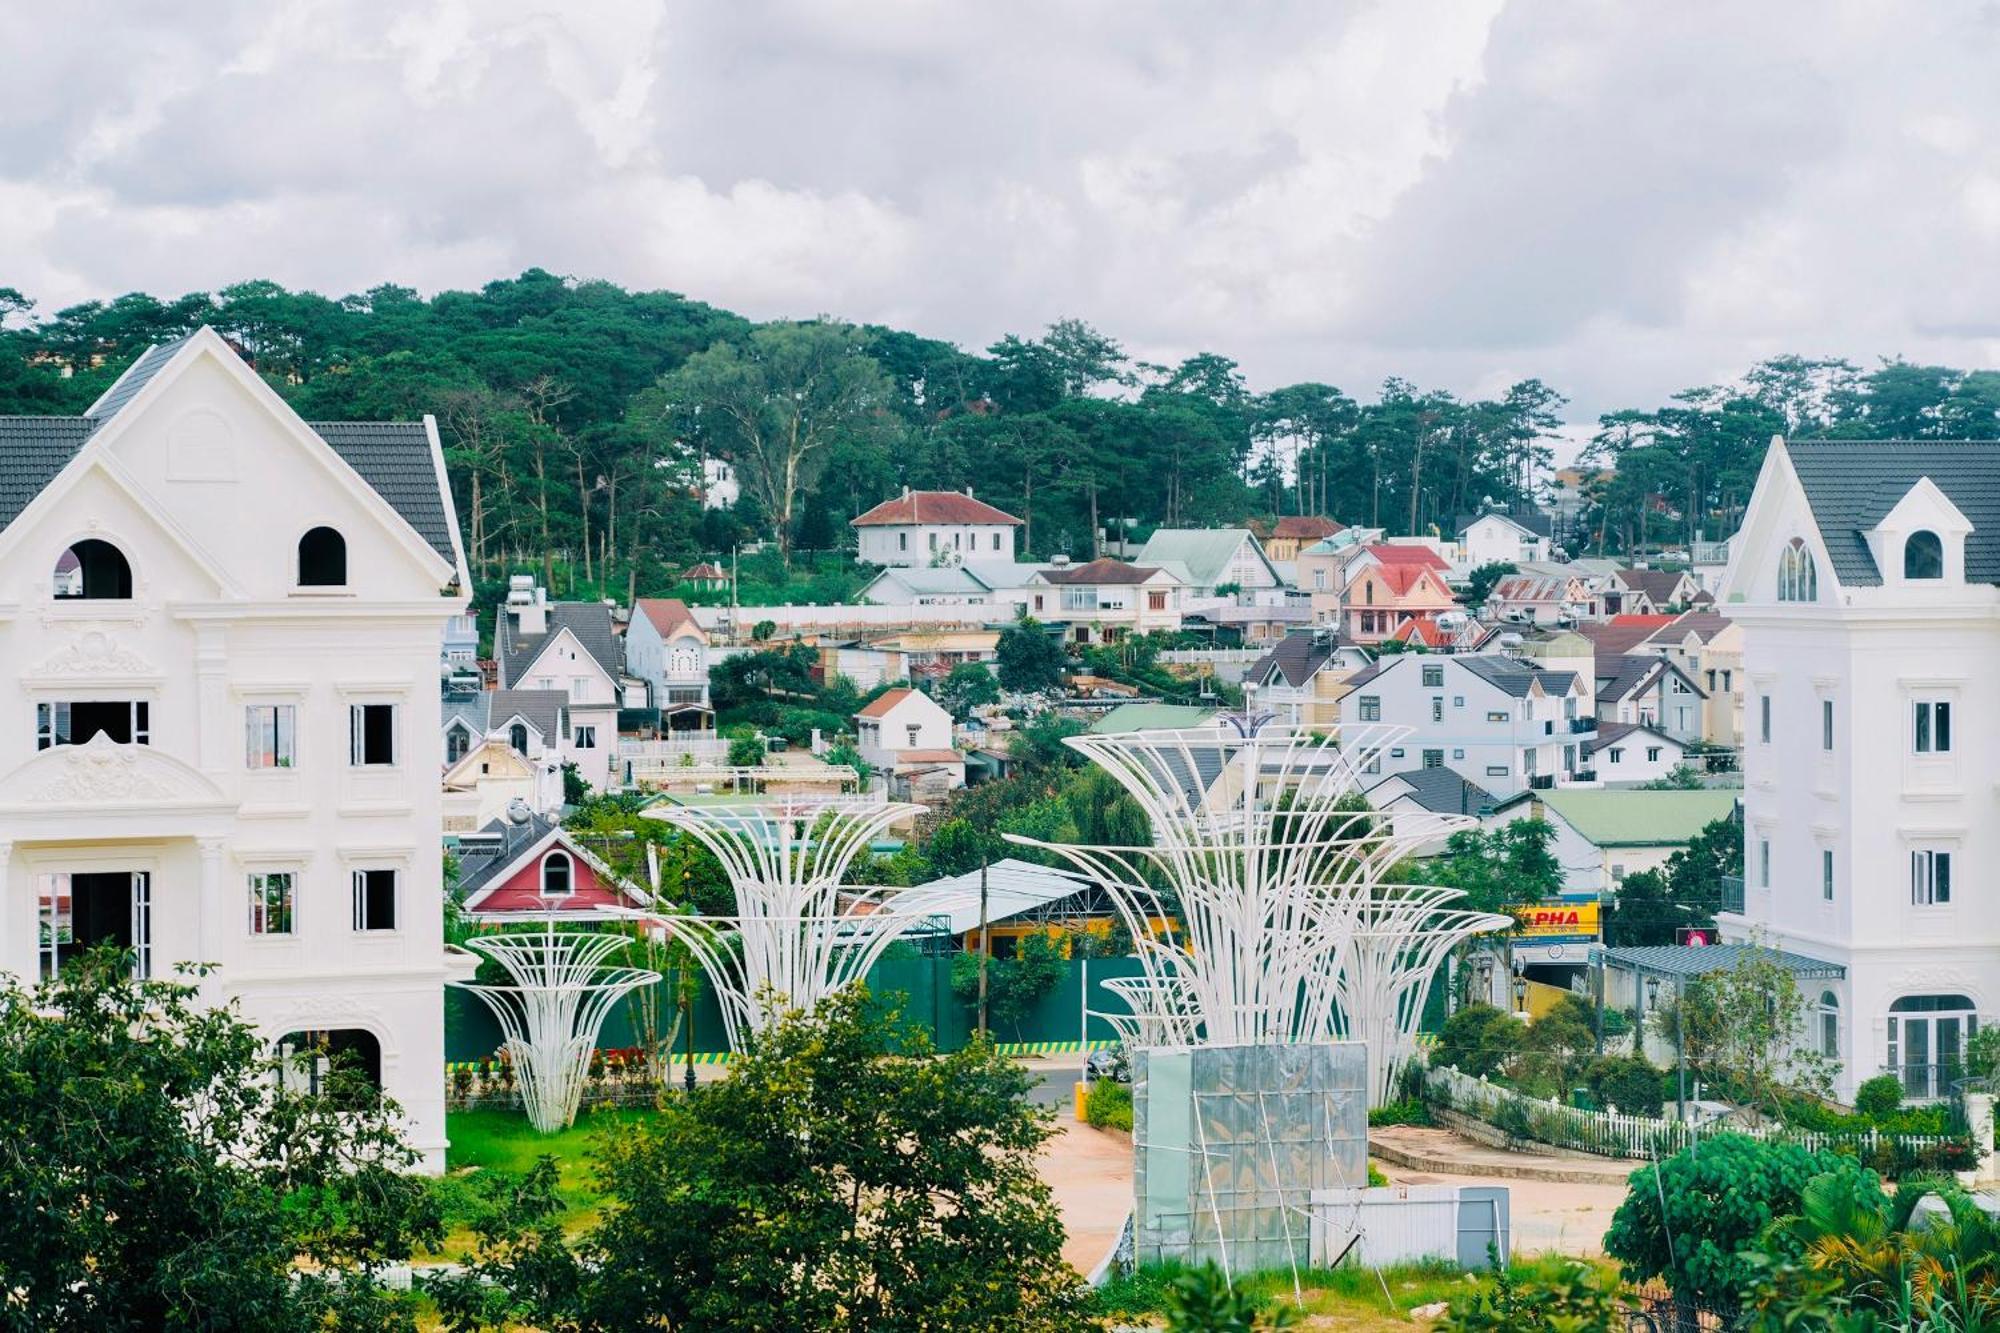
797,935
555,1004
1276,870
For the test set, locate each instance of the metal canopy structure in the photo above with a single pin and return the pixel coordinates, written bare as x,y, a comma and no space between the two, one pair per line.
1700,960
797,935
1278,872
560,994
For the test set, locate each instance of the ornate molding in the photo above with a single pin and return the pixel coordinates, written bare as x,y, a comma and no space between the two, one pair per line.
101,772
94,653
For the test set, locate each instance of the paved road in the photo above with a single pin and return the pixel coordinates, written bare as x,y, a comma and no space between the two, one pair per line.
1056,1087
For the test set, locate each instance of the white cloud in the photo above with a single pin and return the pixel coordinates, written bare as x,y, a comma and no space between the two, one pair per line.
1623,200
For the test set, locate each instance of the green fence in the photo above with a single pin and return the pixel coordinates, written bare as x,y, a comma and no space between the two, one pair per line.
1055,1024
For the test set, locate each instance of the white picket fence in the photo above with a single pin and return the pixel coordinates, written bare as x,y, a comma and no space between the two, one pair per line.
1612,1134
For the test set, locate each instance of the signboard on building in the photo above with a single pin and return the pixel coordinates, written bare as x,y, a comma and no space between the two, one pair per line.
1548,922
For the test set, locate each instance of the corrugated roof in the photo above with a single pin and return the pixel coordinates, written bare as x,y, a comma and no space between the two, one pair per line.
483,861
1152,717
933,507
1852,484
1207,552
1632,818
1014,888
1699,960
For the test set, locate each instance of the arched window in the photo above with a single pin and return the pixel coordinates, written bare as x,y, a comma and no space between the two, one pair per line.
94,570
1923,556
322,559
1798,577
558,875
310,1059
1829,1025
1927,1041
517,736
456,742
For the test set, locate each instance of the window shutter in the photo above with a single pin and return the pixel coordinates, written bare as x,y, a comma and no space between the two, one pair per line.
360,888
1941,728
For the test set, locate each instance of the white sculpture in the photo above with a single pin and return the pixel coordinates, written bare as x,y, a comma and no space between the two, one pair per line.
550,1015
797,935
1276,871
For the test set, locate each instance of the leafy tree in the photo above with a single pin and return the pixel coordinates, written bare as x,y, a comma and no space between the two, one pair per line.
778,402
160,1174
1509,865
1479,1039
1747,1025
746,752
1647,912
576,789
956,848
970,685
749,678
1628,1082
1203,1301
1681,777
843,1176
1028,660
1718,1198
1480,582
1014,986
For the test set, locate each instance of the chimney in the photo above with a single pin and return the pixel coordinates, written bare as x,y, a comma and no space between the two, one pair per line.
531,611
906,492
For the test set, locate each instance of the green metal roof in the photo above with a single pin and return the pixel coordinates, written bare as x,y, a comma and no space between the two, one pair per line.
1152,717
1206,552
1633,818
1688,960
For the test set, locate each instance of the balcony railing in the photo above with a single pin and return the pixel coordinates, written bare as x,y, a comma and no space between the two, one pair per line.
1580,726
1732,894
1542,782
1928,1082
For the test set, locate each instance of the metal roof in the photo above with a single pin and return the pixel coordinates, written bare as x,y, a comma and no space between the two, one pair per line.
1148,716
1698,960
1013,888
1632,817
1207,552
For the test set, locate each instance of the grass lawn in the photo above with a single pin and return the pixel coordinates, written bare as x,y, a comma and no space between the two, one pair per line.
503,1141
1347,1298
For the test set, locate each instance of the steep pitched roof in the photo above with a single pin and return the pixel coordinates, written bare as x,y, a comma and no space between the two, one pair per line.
475,709
1621,676
1408,553
1297,657
668,615
1704,625
1305,527
1442,791
933,507
1852,484
1419,629
1530,520
394,457
1103,570
1621,634
1207,552
704,570
884,705
1657,584
540,709
590,622
1515,676
137,375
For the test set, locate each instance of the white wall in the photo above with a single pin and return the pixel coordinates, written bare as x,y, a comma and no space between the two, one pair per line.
919,545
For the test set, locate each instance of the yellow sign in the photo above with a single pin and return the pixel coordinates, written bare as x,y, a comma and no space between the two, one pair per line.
1559,920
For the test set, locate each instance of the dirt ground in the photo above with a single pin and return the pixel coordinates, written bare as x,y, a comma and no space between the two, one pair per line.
1090,1171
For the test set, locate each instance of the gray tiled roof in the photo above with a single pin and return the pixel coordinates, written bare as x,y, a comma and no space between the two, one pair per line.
1852,484
590,622
1297,657
476,709
1528,517
394,457
1442,791
481,862
32,451
1514,676
136,377
542,709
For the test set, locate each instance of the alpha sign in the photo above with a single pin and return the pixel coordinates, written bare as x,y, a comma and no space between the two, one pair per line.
1556,921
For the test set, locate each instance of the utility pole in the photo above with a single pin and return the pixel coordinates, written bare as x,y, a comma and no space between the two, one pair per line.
687,1010
985,948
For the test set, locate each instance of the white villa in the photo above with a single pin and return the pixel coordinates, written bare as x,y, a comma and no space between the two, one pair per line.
667,649
923,528
1864,576
221,717
566,649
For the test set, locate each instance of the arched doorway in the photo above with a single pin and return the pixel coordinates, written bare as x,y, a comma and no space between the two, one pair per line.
1927,1037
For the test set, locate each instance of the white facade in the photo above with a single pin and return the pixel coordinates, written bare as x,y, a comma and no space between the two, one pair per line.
1869,765
229,764
1504,738
1105,599
898,722
1493,538
543,647
917,545
668,650
1624,755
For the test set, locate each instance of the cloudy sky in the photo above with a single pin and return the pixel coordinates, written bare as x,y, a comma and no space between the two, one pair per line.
1624,199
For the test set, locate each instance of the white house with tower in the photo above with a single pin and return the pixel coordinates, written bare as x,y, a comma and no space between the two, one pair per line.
219,725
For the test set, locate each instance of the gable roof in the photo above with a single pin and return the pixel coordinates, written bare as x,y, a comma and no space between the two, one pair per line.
488,862
1101,570
1851,485
540,709
1621,634
393,457
1625,817
1440,790
590,622
1515,676
1297,657
1704,625
135,377
1610,733
1305,527
1529,520
1658,584
1529,588
886,703
669,615
1150,716
1626,674
704,570
475,710
1206,552
1408,553
933,507
1419,629
927,579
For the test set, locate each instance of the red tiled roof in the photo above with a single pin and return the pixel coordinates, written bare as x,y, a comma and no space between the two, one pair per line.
1306,527
704,570
933,507
668,614
881,707
1408,555
1423,631
1101,570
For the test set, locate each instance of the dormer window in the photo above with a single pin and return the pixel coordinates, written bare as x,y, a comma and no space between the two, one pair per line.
1923,556
1798,577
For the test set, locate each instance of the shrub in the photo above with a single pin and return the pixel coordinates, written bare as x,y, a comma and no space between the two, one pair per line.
746,752
1478,1039
1108,1105
1399,1113
1879,1096
1627,1082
